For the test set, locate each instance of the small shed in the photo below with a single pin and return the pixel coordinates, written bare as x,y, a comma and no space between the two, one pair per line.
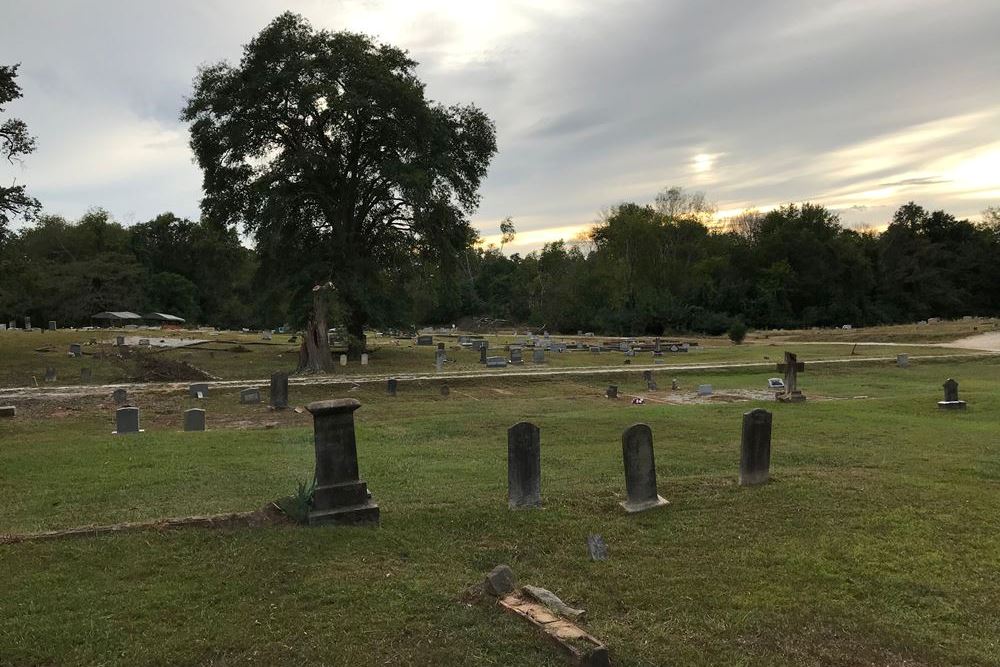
163,319
116,318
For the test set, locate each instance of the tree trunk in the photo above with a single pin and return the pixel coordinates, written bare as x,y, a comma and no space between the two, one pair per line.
355,334
314,353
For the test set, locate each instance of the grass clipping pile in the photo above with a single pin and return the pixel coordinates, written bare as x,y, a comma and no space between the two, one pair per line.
148,365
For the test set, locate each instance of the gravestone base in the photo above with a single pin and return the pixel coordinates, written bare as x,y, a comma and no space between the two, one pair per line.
951,405
347,503
794,397
632,507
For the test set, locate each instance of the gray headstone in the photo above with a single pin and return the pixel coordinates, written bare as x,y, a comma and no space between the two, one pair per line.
951,401
27,323
249,395
647,376
500,581
279,390
425,340
445,390
482,355
364,359
343,360
538,356
12,324
341,496
755,447
119,396
86,374
496,362
52,325
120,341
595,349
199,390
640,469
390,386
524,466
516,355
903,360
612,391
596,547
267,334
704,390
3,327
8,411
50,374
127,420
194,419
76,350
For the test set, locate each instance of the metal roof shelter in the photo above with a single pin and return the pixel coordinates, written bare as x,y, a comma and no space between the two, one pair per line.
119,316
166,318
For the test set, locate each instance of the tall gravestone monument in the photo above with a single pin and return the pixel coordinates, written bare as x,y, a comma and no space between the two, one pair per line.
755,447
524,466
640,470
279,391
341,496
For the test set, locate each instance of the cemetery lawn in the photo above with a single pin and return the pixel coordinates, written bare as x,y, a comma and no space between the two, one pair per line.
877,542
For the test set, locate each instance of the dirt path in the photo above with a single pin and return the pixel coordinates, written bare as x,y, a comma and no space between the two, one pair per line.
99,390
986,341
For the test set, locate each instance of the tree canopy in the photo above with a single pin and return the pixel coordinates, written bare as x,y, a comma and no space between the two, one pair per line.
15,142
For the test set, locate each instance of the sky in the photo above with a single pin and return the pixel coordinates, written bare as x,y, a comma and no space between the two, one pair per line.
855,104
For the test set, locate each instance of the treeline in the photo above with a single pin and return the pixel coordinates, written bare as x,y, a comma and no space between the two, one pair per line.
644,269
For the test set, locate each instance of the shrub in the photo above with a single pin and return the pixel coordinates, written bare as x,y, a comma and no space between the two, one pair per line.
737,331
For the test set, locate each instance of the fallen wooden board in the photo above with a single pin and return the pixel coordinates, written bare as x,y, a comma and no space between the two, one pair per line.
583,649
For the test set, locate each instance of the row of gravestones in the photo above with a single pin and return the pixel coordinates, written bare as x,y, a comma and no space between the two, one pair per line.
524,462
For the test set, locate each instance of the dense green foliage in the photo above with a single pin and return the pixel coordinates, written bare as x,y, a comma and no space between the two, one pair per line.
15,142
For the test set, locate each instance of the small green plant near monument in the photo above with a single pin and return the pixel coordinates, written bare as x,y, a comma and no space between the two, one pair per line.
737,331
297,506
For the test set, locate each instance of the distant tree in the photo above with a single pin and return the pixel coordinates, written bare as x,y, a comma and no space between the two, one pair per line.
15,142
677,204
323,146
507,232
737,331
991,218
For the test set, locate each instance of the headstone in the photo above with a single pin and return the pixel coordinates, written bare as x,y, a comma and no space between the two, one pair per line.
50,374
516,355
425,340
441,347
3,327
482,355
120,341
267,334
704,390
596,547
791,368
538,356
75,350
647,376
445,390
343,360
12,325
127,420
86,374
279,390
951,401
119,396
524,466
199,390
656,345
143,341
194,419
340,496
390,386
674,385
595,349
8,411
651,385
755,447
364,359
903,360
249,396
52,325
775,383
496,362
640,470
612,391
27,324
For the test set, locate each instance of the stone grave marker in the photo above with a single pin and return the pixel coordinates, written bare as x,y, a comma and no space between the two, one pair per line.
496,362
343,360
8,411
199,390
516,356
596,548
249,396
279,390
12,325
647,376
524,466
52,325
390,386
267,334
482,355
75,350
341,496
640,470
127,421
119,396
538,356
27,324
755,447
951,401
791,368
86,374
903,360
194,419
612,391
364,359
595,349
704,390
425,340
50,374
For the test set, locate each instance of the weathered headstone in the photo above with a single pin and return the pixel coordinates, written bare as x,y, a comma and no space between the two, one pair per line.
704,390
755,447
425,340
596,547
595,349
199,390
50,374
340,496
524,466
27,324
119,396
390,386
445,390
791,368
516,355
496,362
75,350
538,356
194,419
52,325
951,401
8,411
612,391
267,334
651,385
441,347
3,327
640,469
12,325
249,396
364,359
127,420
279,390
482,355
343,360
120,341
86,374
903,360
647,376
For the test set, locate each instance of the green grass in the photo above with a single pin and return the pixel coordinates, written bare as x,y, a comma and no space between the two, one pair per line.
877,541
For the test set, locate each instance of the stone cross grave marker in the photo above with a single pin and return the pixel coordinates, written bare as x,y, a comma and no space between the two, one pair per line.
755,447
279,390
249,396
524,466
127,421
119,396
640,470
199,390
791,368
341,495
194,419
951,401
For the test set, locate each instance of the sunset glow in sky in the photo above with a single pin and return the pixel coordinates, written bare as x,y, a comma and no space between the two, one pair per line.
858,105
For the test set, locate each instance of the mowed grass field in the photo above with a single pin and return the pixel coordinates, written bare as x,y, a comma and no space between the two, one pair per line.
877,542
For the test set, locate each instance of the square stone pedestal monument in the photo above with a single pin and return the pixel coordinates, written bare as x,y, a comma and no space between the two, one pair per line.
341,497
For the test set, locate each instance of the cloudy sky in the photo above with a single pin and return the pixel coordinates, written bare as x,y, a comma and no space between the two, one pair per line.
860,105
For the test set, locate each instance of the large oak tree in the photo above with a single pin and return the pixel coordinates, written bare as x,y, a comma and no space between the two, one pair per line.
323,146
15,142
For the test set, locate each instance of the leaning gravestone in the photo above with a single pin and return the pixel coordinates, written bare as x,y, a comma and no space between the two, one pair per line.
524,466
755,447
340,496
194,419
951,401
249,396
127,421
199,390
279,390
50,374
640,470
119,396
390,387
